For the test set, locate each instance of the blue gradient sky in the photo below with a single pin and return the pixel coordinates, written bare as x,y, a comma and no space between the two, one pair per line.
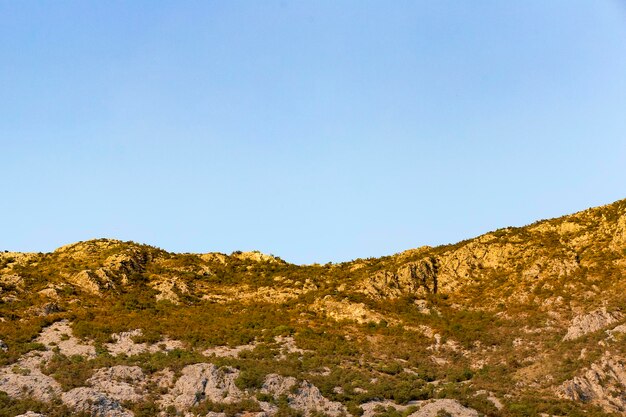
318,131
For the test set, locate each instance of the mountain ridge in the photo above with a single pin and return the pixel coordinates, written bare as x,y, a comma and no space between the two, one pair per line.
517,321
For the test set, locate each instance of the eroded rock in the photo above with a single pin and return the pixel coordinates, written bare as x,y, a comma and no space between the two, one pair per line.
591,322
302,396
95,402
435,408
420,277
124,344
121,383
25,379
604,383
203,381
60,335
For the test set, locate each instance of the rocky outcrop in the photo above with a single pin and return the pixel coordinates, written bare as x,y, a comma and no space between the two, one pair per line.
591,322
604,383
59,335
123,261
346,310
203,381
124,344
255,256
429,408
25,379
31,414
11,281
302,396
92,282
169,289
411,278
446,407
94,402
228,351
121,383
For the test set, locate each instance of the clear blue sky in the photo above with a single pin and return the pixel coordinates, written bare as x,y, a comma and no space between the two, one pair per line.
314,130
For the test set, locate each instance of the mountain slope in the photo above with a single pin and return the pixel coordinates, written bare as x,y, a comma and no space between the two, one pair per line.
519,321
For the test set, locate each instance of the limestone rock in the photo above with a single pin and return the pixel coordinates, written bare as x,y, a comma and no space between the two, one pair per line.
451,407
89,282
227,351
255,256
123,344
168,289
346,310
604,383
49,292
12,280
24,379
591,322
95,402
302,396
121,383
411,278
203,381
60,335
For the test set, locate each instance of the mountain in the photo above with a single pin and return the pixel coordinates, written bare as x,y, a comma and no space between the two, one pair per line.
517,322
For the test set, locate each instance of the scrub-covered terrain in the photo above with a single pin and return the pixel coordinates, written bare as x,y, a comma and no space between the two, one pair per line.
517,322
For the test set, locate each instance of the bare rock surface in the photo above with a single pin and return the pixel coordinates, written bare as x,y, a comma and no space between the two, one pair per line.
31,414
412,277
12,280
202,381
604,383
95,402
24,378
228,351
430,408
302,396
90,281
287,346
124,344
452,407
370,408
121,383
60,335
168,289
591,322
346,310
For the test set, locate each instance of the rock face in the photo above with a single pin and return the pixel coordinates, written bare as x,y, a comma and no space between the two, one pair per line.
346,310
91,401
446,407
169,289
24,378
203,381
604,383
411,278
591,322
302,396
92,282
124,344
60,335
121,383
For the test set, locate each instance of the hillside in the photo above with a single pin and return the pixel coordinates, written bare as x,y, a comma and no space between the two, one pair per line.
516,322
